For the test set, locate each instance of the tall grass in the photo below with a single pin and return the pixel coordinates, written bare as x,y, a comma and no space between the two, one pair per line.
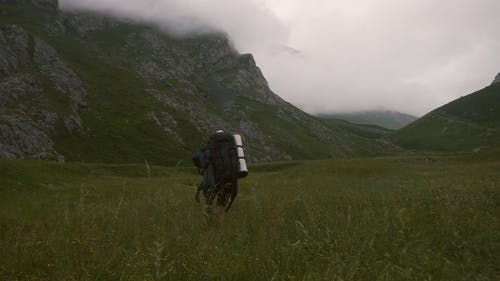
362,219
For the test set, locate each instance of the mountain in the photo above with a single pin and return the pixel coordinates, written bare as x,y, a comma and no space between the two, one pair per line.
384,118
469,123
362,130
88,87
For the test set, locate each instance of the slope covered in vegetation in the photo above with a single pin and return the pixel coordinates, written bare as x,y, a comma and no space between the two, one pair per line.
469,123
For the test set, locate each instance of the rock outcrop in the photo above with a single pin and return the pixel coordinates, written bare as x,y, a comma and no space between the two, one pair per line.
32,77
496,80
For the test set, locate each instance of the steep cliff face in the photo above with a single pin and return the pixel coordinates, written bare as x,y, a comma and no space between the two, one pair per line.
34,83
89,87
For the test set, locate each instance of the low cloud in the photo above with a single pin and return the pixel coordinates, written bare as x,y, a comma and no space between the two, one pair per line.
250,26
340,55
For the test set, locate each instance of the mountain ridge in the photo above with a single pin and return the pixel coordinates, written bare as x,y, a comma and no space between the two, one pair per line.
388,119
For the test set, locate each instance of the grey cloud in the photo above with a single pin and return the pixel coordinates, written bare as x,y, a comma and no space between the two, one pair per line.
341,55
248,24
406,55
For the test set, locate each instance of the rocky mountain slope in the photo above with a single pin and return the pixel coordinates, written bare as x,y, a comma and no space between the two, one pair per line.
88,87
470,123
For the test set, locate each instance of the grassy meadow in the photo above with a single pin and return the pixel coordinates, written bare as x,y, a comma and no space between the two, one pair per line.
396,218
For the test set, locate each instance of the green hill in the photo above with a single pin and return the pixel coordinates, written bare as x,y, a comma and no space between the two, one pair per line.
384,118
88,87
469,123
363,130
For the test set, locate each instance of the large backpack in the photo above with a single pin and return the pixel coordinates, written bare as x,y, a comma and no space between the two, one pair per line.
223,156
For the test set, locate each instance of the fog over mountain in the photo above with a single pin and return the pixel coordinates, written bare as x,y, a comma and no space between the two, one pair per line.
339,55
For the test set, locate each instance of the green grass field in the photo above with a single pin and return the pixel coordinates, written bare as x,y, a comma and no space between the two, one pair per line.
399,218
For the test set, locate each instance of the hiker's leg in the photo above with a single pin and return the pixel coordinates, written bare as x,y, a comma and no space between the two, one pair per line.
232,194
207,206
222,199
210,189
207,209
221,212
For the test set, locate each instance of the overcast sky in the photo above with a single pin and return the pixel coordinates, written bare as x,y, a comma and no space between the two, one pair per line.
344,55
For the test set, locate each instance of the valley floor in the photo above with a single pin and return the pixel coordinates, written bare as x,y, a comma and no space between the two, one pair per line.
398,218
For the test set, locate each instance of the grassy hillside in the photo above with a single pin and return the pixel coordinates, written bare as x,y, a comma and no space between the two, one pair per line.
363,130
412,218
392,120
468,123
117,115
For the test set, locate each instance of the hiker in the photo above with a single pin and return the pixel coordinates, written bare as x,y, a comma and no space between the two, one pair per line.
221,162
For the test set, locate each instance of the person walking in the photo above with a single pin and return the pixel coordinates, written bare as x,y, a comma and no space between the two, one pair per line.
221,162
